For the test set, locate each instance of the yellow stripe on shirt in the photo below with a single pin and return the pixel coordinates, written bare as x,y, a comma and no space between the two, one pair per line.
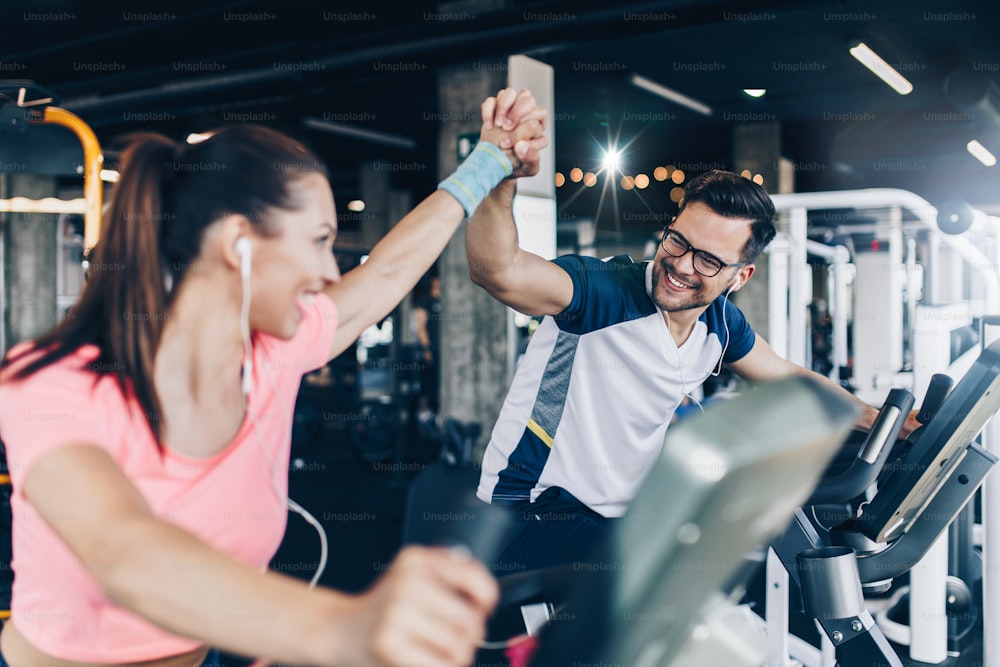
537,429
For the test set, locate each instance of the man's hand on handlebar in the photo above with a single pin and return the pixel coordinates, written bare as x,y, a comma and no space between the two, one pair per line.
911,424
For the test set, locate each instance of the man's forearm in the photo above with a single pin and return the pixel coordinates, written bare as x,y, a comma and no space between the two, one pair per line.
491,238
868,414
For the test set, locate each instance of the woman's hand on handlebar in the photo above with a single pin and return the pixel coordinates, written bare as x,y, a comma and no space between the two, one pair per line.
428,610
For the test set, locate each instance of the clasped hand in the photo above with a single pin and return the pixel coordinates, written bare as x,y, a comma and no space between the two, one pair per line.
513,121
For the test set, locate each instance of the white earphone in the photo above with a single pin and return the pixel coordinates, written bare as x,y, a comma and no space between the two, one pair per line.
243,250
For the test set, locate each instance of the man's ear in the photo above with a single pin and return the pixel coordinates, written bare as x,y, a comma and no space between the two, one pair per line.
742,276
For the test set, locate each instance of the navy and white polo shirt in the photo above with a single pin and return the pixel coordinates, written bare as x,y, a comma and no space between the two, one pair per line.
597,387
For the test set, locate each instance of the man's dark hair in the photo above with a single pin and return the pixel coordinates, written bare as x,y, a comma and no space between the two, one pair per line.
733,196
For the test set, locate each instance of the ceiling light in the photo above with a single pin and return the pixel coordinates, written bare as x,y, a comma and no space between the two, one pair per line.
355,205
881,68
755,92
981,153
109,175
611,160
198,137
670,94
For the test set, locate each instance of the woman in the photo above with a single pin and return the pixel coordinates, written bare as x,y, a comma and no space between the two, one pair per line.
148,435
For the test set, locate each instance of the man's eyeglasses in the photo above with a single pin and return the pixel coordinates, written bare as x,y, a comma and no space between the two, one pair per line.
705,263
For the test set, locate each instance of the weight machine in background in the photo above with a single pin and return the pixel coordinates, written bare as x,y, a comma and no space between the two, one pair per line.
30,146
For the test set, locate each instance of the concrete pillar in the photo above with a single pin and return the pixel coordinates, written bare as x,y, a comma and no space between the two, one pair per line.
374,186
29,261
474,334
757,147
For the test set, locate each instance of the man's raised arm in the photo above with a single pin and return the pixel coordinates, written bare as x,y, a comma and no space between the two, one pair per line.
524,281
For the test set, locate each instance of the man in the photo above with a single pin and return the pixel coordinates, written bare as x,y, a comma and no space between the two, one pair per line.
623,345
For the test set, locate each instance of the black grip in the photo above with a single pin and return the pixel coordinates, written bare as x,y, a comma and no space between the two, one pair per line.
937,391
881,439
872,454
479,527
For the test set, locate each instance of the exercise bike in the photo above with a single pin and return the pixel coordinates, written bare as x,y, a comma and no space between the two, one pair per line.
879,526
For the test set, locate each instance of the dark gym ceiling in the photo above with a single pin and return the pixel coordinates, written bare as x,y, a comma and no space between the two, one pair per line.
186,66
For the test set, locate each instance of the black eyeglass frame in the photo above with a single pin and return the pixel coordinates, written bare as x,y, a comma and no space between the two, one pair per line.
698,252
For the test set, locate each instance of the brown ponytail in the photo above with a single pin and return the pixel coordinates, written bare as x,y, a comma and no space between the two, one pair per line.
123,305
166,197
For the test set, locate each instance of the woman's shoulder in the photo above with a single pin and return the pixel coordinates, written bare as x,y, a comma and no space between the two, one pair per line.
24,353
81,367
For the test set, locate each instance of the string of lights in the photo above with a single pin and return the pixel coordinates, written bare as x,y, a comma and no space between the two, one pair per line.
669,175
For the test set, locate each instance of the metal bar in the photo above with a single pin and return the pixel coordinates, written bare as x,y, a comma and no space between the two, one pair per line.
991,536
93,162
776,611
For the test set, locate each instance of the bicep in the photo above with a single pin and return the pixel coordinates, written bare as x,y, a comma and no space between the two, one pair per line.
533,286
85,497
